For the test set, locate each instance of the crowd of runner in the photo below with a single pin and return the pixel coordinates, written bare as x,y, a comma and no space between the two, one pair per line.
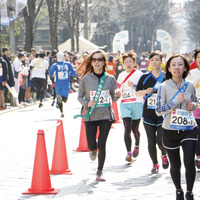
163,92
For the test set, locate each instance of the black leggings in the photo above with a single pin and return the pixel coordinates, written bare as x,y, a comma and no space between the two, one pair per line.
198,141
131,125
60,104
154,139
38,86
188,147
91,131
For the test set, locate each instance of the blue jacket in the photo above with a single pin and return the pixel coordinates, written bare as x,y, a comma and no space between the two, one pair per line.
63,71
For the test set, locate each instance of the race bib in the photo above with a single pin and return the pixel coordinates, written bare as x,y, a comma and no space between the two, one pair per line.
182,120
198,99
104,99
128,95
110,67
62,75
143,63
151,102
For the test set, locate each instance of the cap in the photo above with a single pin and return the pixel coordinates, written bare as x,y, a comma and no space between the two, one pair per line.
60,56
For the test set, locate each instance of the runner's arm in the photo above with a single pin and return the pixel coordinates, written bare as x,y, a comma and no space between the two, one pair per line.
81,94
161,107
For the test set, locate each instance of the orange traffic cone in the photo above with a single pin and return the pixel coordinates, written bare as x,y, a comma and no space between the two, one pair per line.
115,109
41,183
83,146
60,162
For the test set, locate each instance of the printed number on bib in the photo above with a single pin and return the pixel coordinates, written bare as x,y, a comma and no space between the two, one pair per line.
62,75
128,95
110,67
104,99
143,63
151,102
182,120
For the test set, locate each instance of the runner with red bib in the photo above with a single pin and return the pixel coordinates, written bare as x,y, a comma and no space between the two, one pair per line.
130,106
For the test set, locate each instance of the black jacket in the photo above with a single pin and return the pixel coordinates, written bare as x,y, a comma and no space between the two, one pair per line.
10,78
3,64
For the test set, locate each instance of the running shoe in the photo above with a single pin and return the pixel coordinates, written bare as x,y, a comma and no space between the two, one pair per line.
189,196
62,115
155,169
129,157
41,105
52,104
197,162
179,195
136,151
165,163
99,176
2,108
93,155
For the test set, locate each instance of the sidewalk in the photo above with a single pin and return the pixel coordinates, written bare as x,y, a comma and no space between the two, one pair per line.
124,181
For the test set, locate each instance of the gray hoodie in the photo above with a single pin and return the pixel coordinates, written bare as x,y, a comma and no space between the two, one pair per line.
90,83
165,106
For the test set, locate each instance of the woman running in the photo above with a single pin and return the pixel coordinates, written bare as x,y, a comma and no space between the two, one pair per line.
95,89
176,100
130,106
194,76
147,86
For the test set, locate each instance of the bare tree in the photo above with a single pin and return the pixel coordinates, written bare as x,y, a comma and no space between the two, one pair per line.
192,14
54,14
71,12
30,13
140,17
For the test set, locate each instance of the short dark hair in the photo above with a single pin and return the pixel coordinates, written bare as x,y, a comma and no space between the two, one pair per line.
186,63
195,52
155,53
5,49
20,55
48,52
42,53
110,58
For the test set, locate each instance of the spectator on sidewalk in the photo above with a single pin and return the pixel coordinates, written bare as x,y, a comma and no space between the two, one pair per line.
10,77
3,81
17,68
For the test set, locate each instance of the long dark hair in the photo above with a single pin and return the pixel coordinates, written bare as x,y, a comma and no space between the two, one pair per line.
186,63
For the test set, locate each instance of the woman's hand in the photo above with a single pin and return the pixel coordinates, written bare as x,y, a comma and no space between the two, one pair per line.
181,97
91,103
149,90
117,93
190,105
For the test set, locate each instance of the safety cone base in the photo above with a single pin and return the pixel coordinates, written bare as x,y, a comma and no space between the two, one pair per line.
67,172
42,191
80,149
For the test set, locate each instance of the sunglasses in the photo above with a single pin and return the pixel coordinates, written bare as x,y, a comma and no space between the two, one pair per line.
98,59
